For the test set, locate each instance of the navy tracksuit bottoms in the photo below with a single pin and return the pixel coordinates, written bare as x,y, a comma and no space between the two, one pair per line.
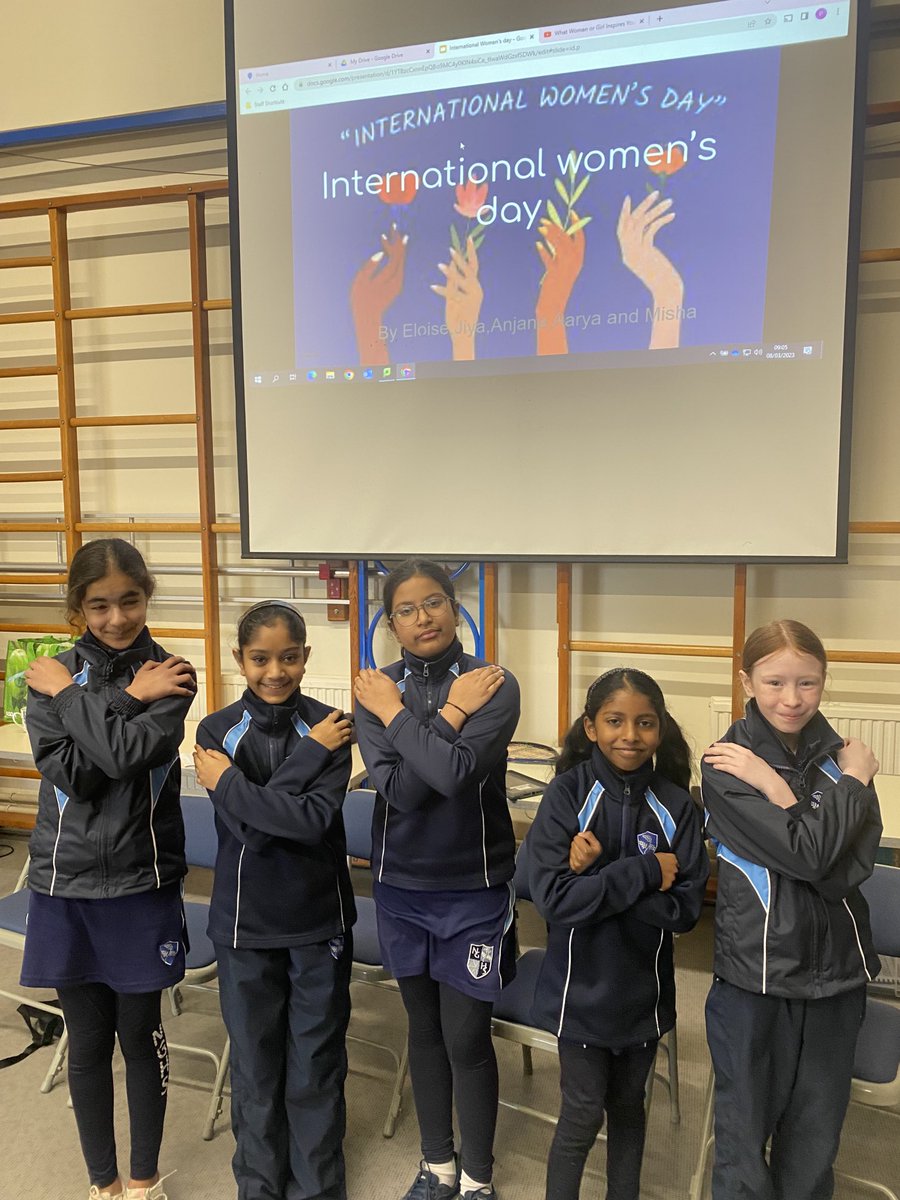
783,1071
286,1011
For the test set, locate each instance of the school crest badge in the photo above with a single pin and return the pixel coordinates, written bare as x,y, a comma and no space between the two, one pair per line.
168,952
647,843
815,800
481,959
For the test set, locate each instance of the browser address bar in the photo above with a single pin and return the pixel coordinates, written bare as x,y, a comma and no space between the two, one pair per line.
374,74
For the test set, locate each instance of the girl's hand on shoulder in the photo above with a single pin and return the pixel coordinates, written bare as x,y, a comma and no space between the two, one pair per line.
47,676
854,759
379,694
668,864
332,731
743,764
474,689
740,762
584,850
210,766
156,680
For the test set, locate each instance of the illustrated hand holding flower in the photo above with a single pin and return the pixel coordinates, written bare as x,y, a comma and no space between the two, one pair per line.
463,295
636,231
375,287
562,254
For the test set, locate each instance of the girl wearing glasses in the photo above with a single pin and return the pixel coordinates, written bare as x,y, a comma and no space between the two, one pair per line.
433,729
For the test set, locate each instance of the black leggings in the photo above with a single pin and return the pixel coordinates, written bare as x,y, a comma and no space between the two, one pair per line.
95,1015
451,1055
592,1079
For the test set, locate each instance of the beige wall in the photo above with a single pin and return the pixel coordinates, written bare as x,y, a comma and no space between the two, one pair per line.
139,365
67,62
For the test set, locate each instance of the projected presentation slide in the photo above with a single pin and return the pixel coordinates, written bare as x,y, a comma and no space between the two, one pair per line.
594,211
555,226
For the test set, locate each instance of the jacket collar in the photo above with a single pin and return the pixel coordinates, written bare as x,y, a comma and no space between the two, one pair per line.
272,718
817,738
104,657
615,781
437,667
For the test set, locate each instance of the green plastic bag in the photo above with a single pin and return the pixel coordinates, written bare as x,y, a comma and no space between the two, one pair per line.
20,653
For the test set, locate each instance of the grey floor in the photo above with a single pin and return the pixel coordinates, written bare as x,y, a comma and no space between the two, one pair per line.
40,1159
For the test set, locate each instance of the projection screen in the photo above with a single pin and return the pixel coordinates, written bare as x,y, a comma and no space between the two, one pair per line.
544,280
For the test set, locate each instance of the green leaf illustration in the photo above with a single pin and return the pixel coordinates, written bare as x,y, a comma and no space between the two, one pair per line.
572,158
454,239
561,188
580,189
554,215
579,224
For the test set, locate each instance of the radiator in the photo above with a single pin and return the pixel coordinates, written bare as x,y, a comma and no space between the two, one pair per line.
878,725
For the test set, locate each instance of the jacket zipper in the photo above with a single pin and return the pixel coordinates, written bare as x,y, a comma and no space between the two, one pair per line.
626,798
102,844
818,929
429,700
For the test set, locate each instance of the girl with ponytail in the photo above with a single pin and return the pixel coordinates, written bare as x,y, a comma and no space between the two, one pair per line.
616,865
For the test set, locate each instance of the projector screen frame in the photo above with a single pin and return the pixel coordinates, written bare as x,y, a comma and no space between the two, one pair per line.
463,552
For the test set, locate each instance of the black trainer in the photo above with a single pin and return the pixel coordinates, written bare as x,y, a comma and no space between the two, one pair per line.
482,1193
427,1186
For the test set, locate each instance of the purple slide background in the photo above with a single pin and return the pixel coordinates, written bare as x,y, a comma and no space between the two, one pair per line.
718,240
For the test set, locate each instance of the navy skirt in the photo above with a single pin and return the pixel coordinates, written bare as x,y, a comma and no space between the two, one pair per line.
130,943
464,939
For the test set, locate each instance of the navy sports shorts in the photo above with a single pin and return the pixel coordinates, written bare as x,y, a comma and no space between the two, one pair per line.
130,943
464,939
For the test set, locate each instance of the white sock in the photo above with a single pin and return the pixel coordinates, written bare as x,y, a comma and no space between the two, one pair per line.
446,1172
468,1184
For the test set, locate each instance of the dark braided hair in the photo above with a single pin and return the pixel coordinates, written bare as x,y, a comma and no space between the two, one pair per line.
673,755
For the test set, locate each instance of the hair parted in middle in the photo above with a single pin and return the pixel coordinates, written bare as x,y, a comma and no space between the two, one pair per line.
782,635
268,612
673,755
409,569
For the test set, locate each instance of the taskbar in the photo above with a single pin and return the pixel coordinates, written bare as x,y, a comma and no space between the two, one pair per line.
400,372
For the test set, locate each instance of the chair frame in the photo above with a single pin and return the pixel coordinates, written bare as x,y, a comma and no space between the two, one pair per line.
530,1037
16,941
376,975
198,979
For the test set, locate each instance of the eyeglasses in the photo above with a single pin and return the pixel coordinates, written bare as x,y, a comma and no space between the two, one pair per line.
408,614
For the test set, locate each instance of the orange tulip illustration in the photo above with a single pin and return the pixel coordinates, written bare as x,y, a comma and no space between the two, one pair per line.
398,187
469,198
665,163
